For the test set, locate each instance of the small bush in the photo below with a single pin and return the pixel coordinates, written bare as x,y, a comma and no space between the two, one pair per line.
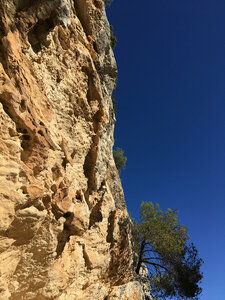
113,38
120,160
114,105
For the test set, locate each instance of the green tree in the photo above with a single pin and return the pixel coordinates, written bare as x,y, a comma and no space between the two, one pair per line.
119,159
163,245
114,105
112,37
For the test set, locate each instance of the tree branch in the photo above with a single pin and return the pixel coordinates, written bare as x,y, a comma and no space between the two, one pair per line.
143,244
154,264
158,258
148,250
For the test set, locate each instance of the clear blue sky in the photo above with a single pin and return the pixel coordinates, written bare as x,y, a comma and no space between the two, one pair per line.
171,117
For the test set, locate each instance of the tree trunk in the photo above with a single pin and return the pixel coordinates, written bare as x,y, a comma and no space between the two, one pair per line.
140,256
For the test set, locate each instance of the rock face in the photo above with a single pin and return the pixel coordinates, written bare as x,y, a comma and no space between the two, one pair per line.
64,227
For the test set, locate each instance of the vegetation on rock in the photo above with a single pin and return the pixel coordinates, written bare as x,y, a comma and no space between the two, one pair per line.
163,245
120,160
114,105
113,38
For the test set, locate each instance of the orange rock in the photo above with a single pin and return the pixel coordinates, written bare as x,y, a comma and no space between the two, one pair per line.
64,227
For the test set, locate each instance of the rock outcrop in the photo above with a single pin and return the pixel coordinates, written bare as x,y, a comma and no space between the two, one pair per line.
64,227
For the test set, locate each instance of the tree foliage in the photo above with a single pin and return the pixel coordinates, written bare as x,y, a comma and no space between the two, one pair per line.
163,245
114,105
112,37
119,159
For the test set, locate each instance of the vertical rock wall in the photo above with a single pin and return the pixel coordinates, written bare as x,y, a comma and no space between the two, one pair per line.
64,227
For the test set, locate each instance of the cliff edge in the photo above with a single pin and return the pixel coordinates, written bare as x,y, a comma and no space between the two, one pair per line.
64,227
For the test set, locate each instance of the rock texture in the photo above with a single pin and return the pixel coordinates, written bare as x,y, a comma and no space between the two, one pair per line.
64,227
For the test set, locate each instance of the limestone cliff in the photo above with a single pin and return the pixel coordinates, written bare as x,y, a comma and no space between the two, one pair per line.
64,227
